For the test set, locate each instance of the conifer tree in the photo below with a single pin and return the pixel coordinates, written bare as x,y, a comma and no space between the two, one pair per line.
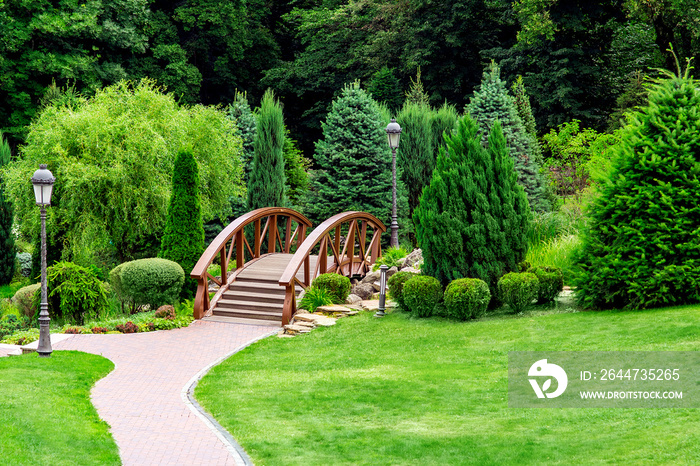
443,121
354,160
522,105
385,88
416,94
295,170
7,239
490,103
240,112
415,154
183,240
267,181
642,247
472,219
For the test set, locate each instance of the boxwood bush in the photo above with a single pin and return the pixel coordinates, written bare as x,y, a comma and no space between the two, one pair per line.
396,283
551,282
337,285
421,294
151,282
518,289
467,298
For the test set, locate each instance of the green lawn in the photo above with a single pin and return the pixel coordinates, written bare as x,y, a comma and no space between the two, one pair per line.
406,391
46,417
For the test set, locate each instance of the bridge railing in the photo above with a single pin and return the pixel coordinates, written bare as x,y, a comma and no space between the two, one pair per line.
283,227
352,254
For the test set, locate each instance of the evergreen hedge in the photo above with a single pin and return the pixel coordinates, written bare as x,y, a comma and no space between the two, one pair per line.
396,283
642,247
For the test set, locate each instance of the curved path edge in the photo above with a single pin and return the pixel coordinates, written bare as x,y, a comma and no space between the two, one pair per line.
187,394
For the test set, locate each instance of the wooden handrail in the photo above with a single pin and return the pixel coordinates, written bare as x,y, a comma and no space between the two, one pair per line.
345,262
235,234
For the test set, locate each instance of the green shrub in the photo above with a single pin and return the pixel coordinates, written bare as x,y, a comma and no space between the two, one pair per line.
151,282
390,258
75,292
337,285
421,294
315,297
467,298
24,264
9,324
21,337
518,289
27,299
396,283
551,282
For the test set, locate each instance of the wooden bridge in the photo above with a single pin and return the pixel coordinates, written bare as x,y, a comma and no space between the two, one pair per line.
264,278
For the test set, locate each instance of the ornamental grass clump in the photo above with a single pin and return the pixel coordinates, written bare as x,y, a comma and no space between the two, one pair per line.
467,298
338,286
396,283
518,290
315,297
421,295
642,247
551,282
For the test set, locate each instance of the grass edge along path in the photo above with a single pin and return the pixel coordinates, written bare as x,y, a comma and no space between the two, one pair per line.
431,391
46,416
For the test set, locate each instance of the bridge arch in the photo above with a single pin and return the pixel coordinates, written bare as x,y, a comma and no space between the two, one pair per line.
327,237
290,238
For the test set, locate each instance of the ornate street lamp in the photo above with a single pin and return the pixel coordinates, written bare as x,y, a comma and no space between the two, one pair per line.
393,132
43,181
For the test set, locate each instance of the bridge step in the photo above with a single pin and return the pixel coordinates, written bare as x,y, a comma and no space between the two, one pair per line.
248,313
225,304
241,320
254,296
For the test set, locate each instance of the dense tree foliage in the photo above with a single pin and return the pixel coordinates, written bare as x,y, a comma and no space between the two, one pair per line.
642,248
473,217
354,161
7,238
183,238
113,159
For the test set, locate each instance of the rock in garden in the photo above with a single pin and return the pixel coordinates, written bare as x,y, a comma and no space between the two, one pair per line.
410,269
377,286
353,299
363,290
391,272
371,277
332,308
413,258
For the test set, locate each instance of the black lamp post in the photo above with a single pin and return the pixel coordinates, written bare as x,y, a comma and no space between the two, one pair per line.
393,132
382,291
43,181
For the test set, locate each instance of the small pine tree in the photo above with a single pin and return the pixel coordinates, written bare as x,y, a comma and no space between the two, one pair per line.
7,239
267,182
415,154
240,112
522,105
385,88
183,240
491,103
416,94
353,159
472,219
642,247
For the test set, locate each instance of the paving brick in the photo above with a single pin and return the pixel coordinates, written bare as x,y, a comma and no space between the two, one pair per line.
141,398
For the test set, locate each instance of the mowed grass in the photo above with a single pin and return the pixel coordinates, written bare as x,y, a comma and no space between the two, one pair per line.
406,391
46,417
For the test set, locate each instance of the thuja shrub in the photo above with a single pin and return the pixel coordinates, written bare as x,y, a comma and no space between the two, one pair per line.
421,295
151,282
518,290
467,298
551,282
396,283
338,286
642,247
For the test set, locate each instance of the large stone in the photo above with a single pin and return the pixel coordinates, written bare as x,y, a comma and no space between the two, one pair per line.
371,277
377,286
314,319
373,305
413,258
391,272
353,299
332,308
295,329
363,290
411,269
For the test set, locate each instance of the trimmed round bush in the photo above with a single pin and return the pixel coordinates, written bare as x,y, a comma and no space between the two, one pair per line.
337,285
518,289
467,298
396,283
551,282
151,282
27,299
421,294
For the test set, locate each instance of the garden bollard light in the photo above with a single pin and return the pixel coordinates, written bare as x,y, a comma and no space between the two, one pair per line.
382,292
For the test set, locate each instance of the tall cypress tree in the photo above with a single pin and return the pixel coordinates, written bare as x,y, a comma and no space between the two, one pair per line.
266,187
7,239
415,154
642,247
240,112
443,121
490,103
183,240
472,219
354,160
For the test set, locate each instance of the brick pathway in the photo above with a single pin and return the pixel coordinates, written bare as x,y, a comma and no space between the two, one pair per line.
141,399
